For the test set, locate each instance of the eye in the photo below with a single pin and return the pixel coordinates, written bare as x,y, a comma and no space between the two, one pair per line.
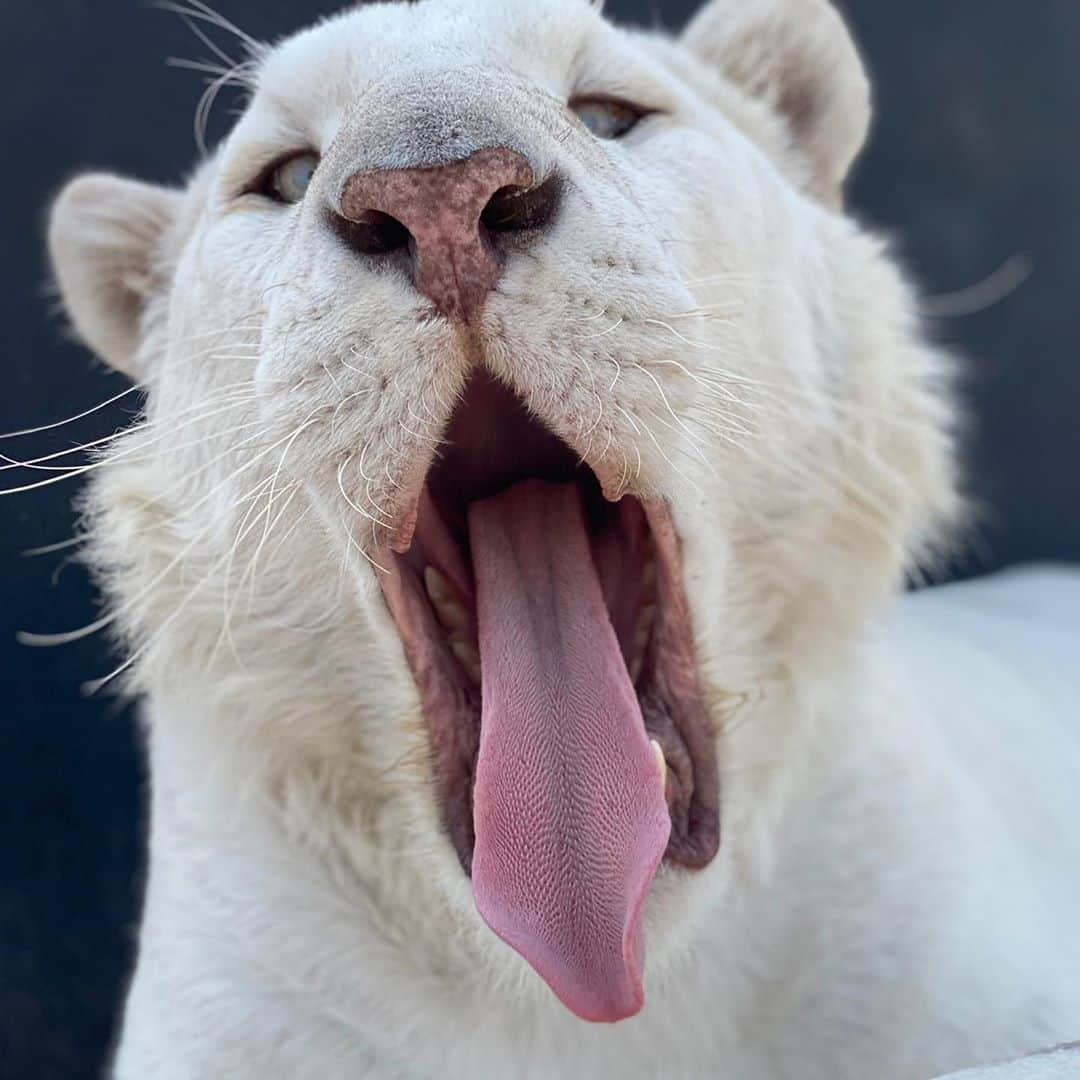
607,119
288,182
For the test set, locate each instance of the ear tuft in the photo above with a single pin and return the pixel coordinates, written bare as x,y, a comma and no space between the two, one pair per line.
798,57
104,239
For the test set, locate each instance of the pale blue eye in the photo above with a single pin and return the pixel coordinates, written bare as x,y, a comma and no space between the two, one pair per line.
291,179
606,119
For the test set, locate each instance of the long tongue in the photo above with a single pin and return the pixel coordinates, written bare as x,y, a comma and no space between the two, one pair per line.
568,807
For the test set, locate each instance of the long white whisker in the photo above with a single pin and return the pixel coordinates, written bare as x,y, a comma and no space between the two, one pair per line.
48,549
98,684
345,495
227,607
250,573
637,431
71,419
364,555
667,404
66,638
139,448
204,13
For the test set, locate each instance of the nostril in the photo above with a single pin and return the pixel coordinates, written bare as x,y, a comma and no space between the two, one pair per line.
515,209
372,232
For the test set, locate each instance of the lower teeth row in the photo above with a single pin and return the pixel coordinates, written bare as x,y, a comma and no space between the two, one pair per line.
455,620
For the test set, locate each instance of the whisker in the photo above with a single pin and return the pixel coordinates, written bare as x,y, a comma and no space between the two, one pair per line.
137,449
345,495
48,549
204,13
70,636
667,403
57,639
250,573
227,608
93,687
71,419
603,333
367,558
671,464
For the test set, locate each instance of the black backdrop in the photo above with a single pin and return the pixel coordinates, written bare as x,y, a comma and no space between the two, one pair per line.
973,165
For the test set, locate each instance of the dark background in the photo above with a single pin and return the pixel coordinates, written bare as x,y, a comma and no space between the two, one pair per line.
973,165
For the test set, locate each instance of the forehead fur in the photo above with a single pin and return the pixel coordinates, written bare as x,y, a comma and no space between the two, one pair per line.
359,45
307,84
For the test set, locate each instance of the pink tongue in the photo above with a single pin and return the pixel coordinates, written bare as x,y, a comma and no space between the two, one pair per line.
569,811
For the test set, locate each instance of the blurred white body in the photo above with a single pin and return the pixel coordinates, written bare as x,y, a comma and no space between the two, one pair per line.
923,878
1057,1063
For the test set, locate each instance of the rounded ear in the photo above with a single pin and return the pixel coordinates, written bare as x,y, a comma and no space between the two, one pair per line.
798,57
105,238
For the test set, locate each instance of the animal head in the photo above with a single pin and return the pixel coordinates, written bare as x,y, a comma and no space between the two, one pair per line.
521,406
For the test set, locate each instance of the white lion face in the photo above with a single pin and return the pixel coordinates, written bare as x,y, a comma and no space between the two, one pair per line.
519,401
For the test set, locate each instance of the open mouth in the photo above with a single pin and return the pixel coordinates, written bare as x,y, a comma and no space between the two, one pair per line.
548,633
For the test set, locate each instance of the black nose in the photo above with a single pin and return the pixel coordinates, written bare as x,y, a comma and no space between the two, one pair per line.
513,209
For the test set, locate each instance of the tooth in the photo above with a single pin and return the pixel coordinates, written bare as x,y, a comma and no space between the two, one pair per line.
451,614
648,576
643,626
661,761
467,656
437,586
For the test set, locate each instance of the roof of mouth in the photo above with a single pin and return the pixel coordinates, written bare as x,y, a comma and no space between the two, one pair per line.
492,441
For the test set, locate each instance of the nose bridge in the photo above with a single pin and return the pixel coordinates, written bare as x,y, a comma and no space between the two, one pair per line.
428,116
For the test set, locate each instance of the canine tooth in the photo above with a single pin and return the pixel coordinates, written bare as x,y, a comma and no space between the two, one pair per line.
438,588
451,614
467,656
660,760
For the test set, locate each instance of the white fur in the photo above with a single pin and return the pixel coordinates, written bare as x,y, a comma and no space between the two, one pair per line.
896,889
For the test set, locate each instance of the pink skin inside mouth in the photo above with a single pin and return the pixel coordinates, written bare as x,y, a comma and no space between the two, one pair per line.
549,788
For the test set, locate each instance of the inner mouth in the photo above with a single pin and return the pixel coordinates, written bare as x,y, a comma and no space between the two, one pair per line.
548,633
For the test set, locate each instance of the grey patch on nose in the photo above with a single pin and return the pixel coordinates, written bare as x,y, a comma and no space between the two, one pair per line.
428,116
